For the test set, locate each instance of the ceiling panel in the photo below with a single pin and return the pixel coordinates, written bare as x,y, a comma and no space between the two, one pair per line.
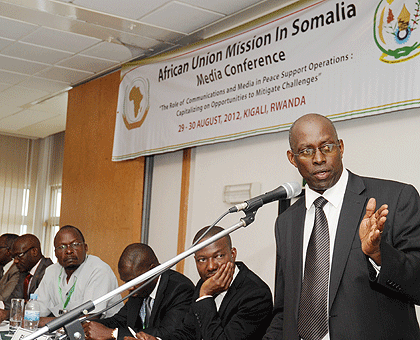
20,96
59,40
49,46
66,75
123,8
45,128
14,29
50,86
8,109
86,63
181,17
111,51
35,53
224,7
4,87
53,105
20,65
5,42
29,117
11,77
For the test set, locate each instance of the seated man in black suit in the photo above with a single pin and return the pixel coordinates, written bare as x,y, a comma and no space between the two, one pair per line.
230,301
168,297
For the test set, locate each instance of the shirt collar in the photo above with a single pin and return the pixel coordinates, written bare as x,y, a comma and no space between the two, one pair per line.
34,268
8,265
334,194
154,291
75,274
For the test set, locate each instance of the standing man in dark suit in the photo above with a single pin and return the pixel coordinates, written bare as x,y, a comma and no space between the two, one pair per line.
27,255
168,297
230,301
374,236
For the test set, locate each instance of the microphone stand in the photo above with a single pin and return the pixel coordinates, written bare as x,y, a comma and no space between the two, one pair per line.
71,322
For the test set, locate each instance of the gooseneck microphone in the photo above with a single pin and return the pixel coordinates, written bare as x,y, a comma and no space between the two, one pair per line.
286,190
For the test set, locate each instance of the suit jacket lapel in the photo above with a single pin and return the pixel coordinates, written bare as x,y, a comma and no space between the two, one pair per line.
159,296
296,245
133,312
348,227
36,278
233,288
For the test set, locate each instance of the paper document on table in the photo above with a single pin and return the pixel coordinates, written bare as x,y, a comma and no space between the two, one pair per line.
4,326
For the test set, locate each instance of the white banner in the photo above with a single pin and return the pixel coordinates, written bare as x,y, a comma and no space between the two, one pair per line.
342,59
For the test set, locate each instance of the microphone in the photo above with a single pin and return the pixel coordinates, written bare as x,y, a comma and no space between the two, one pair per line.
287,190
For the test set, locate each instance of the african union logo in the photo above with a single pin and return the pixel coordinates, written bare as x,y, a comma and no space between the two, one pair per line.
136,103
396,30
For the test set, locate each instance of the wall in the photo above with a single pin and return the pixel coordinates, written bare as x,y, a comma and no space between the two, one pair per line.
101,197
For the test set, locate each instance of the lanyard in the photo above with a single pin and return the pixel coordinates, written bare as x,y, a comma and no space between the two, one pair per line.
70,292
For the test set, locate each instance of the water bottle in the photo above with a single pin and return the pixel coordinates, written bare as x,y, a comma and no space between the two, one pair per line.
32,311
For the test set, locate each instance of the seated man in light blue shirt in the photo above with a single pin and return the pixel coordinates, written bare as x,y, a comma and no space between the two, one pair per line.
75,279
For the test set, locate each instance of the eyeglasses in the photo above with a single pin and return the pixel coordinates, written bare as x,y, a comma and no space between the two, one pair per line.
73,245
20,255
310,152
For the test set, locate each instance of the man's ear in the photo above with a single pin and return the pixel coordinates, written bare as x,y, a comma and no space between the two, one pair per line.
291,157
35,252
234,253
341,143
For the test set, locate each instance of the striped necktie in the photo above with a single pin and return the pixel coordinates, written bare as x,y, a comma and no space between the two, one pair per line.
313,306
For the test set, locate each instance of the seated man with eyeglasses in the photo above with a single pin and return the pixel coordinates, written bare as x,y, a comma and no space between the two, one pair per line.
75,279
27,255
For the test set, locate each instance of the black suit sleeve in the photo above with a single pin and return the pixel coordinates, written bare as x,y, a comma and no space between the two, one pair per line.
246,319
119,321
250,313
125,317
171,317
275,330
400,249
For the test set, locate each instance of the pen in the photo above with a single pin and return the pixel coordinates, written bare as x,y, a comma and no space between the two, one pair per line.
132,331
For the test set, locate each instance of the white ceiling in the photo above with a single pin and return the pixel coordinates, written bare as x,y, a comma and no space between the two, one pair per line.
48,46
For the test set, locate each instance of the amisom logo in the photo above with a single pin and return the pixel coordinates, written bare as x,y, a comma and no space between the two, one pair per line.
136,103
396,30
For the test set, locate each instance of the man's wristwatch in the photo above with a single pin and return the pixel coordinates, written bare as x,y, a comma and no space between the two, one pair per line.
114,333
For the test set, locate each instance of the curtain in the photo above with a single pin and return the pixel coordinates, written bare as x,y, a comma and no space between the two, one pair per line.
15,183
30,186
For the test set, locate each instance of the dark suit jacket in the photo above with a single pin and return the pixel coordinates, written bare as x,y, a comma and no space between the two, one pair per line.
173,298
361,305
36,279
244,313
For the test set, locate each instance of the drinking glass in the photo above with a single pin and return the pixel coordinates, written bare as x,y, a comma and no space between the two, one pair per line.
16,314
